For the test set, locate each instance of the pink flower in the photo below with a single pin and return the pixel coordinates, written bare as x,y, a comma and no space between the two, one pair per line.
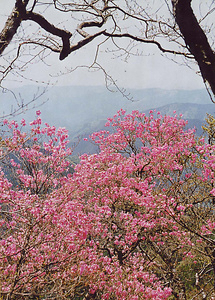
104,224
23,122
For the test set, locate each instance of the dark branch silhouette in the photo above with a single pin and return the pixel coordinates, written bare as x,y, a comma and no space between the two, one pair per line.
106,19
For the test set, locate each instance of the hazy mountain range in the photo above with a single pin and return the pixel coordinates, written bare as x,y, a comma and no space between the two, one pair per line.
83,110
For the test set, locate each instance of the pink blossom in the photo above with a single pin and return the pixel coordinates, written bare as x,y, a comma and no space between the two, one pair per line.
109,226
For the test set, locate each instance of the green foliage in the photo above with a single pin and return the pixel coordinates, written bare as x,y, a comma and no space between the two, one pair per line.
209,128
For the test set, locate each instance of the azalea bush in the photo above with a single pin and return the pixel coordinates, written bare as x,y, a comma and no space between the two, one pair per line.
135,221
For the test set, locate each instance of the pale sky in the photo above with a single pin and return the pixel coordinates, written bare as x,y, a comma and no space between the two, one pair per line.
148,71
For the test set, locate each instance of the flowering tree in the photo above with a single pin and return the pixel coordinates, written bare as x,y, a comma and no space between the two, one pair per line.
133,222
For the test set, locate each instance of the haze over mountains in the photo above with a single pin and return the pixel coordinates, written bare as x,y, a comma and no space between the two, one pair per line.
83,110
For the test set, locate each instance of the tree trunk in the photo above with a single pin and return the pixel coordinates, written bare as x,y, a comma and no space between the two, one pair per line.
12,24
195,40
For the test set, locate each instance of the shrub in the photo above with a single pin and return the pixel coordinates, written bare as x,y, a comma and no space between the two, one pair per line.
124,226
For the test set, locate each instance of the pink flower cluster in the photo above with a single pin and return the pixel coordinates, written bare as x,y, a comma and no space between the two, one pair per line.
107,229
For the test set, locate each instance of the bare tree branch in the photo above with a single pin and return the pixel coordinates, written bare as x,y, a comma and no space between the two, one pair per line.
138,39
64,34
143,23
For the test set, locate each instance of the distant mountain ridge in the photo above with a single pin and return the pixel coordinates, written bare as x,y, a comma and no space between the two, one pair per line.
84,109
71,106
189,110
